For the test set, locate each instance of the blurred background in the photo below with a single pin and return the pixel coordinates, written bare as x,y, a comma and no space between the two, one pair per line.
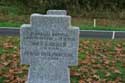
106,12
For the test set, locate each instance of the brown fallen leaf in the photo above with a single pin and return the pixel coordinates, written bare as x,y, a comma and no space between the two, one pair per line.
107,74
117,71
106,62
8,45
74,73
81,81
5,63
96,76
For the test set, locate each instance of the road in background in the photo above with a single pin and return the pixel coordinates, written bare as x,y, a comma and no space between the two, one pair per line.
83,33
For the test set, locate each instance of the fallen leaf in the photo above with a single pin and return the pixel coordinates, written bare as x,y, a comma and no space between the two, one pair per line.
81,81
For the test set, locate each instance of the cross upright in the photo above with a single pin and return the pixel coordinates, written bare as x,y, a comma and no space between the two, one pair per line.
49,44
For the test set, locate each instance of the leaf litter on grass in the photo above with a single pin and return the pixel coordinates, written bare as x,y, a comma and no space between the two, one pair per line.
103,61
10,69
100,61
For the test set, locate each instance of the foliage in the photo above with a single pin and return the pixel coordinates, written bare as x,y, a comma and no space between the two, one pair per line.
74,7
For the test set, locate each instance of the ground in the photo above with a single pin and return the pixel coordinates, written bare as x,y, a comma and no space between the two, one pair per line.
100,61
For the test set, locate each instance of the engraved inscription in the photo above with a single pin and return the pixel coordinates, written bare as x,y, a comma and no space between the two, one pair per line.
50,43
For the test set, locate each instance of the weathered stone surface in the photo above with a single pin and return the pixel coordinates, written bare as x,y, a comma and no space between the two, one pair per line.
49,44
56,12
49,72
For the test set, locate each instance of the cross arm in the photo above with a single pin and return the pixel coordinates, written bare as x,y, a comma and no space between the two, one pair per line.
23,32
74,45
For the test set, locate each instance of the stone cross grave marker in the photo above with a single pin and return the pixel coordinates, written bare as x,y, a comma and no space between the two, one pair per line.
49,44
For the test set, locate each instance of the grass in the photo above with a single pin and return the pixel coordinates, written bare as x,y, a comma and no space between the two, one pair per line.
2,79
9,24
109,28
11,16
10,10
99,60
102,58
82,27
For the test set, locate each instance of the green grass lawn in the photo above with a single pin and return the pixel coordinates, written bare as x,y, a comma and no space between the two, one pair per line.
11,16
9,24
111,28
101,61
82,27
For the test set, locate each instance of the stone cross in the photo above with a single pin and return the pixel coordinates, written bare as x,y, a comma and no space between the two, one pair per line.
49,44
